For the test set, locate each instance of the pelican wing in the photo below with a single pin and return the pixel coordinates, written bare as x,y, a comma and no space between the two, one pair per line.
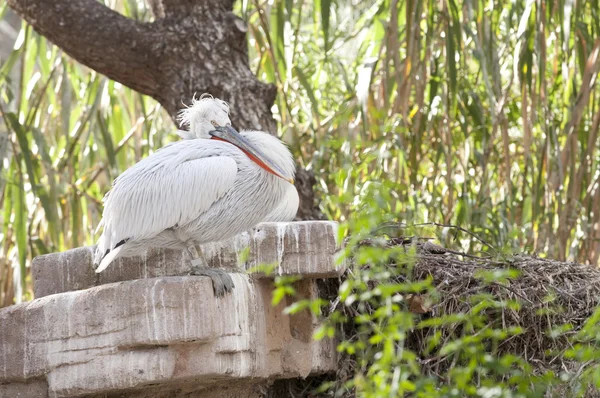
172,187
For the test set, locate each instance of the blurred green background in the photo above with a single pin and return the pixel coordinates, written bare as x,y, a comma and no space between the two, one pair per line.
480,114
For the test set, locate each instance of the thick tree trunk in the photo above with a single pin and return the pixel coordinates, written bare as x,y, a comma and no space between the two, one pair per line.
191,48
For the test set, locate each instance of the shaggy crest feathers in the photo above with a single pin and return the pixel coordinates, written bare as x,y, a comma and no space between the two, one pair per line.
199,106
202,110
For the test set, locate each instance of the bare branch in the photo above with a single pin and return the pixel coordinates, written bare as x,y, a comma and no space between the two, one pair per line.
178,7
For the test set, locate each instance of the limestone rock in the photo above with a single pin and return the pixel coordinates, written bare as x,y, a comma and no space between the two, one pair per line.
152,334
132,334
307,247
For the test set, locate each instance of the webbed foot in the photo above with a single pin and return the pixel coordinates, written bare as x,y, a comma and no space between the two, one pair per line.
222,281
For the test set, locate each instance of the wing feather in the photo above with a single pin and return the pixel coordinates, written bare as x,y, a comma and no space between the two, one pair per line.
172,187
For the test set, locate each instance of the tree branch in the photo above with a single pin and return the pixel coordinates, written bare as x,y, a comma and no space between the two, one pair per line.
96,36
193,47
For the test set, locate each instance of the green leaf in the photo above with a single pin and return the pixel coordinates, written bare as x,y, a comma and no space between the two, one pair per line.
453,33
24,146
20,226
309,91
325,8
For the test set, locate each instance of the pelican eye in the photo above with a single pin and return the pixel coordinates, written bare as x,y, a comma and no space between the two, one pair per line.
214,123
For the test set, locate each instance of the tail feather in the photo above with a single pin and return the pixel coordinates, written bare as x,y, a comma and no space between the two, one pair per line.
110,256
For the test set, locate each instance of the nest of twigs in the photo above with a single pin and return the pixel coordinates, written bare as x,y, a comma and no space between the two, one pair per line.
550,294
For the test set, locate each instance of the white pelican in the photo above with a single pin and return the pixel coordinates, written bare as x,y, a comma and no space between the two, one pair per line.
287,208
196,191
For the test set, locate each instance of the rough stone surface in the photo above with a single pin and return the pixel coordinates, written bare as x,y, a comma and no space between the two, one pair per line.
307,247
158,331
32,389
151,335
240,389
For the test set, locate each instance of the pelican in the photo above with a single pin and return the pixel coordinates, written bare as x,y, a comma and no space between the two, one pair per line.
196,191
287,208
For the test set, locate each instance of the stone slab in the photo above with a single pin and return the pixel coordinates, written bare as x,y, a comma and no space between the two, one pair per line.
32,389
157,332
308,248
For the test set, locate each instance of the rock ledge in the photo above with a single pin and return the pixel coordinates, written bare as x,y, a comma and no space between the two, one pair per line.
142,331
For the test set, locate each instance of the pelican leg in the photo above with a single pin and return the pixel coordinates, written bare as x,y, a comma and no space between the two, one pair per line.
222,281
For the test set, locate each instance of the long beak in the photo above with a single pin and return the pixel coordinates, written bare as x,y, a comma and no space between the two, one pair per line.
229,134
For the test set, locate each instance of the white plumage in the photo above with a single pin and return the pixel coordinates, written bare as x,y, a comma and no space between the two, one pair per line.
197,190
287,208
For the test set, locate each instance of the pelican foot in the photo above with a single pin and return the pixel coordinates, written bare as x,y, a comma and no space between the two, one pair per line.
222,281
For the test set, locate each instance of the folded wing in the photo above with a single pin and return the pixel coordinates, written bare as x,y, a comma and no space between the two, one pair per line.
153,196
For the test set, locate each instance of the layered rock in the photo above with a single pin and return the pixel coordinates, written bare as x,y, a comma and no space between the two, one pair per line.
147,329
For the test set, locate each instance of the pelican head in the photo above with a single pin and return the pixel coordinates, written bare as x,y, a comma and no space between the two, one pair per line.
202,116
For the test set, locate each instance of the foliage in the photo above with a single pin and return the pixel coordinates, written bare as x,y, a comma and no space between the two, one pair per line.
479,114
483,114
413,318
